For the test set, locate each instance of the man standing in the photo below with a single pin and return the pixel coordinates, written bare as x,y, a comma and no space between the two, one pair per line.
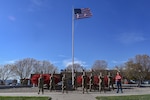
40,84
75,80
101,82
52,82
118,79
64,83
91,81
84,82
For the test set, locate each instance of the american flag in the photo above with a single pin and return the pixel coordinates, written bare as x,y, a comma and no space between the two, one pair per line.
82,13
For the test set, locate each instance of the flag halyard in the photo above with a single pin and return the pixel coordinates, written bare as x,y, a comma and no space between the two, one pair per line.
80,13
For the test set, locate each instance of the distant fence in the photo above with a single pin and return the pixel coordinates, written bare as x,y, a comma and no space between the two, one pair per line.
19,86
134,85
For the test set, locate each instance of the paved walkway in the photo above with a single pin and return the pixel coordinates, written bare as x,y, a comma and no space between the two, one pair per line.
77,95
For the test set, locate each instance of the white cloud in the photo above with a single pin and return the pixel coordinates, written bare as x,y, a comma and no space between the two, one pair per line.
117,62
36,5
55,62
69,62
10,61
37,2
12,18
128,38
63,56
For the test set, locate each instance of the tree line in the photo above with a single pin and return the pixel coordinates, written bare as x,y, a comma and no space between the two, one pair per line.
135,68
24,68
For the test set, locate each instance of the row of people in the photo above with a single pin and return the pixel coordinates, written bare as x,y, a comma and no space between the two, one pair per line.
84,83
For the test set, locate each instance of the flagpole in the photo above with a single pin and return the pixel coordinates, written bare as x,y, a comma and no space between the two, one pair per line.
80,13
73,47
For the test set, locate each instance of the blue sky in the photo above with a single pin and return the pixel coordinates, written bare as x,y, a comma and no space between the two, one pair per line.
42,29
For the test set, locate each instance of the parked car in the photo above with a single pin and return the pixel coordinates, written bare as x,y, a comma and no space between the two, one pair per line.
146,82
132,82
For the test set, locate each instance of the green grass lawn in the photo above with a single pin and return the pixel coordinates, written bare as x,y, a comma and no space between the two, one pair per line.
23,98
133,97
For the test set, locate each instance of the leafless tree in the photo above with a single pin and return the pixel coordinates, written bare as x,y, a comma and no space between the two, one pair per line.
47,67
77,67
99,65
23,68
37,67
138,67
6,72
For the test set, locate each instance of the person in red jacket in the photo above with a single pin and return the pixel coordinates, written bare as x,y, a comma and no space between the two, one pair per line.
118,79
